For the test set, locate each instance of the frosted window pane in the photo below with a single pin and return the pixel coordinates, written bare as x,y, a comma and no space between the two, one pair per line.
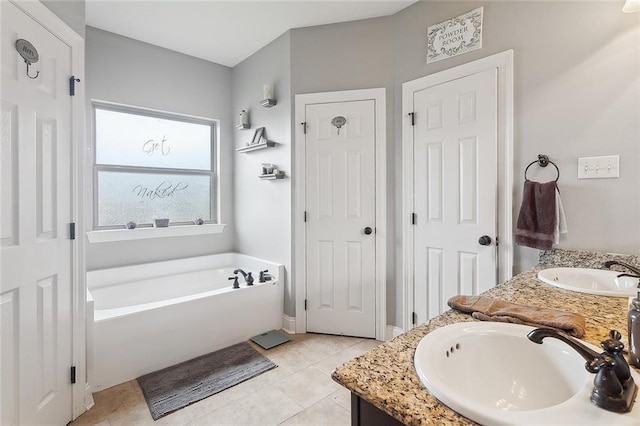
142,197
126,139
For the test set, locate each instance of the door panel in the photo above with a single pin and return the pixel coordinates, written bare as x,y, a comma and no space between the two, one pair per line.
455,187
340,194
35,264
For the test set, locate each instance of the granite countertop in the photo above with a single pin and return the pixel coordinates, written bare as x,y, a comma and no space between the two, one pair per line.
386,377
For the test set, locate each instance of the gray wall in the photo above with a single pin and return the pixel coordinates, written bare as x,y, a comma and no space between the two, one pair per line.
349,56
577,93
70,11
263,207
126,71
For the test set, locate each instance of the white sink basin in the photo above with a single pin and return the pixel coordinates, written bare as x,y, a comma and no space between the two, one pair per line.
492,374
592,281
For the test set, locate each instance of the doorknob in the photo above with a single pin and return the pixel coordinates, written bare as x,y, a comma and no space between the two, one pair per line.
485,240
368,230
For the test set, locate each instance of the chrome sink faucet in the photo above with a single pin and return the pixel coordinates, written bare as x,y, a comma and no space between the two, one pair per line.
248,278
635,270
614,388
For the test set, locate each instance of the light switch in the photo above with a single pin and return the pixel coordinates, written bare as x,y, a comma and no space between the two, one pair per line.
599,167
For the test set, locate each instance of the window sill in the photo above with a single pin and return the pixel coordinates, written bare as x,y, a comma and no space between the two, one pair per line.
111,235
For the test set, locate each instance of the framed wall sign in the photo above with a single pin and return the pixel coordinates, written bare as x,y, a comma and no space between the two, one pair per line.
454,37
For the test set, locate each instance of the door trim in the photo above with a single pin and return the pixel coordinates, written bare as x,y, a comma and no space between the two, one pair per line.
503,62
81,395
299,237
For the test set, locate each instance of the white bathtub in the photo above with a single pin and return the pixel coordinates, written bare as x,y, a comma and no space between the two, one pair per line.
147,317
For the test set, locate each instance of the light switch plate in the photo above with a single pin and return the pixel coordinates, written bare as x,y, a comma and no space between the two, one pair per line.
599,167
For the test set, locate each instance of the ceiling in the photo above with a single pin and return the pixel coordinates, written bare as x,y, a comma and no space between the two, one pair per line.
225,32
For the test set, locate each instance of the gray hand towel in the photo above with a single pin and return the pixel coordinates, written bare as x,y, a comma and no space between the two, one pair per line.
537,218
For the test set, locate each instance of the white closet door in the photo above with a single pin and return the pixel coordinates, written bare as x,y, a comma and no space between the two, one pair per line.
340,194
35,274
455,195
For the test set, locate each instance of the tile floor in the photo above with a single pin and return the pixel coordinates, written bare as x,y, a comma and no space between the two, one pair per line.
299,392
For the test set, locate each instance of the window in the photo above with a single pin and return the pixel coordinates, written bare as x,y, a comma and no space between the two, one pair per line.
152,166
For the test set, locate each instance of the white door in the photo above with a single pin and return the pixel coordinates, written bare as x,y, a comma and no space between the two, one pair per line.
35,287
455,191
340,218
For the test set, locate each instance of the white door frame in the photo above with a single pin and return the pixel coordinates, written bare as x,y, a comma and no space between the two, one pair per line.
81,395
503,62
299,235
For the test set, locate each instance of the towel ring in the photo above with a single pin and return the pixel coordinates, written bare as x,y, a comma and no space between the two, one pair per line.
543,161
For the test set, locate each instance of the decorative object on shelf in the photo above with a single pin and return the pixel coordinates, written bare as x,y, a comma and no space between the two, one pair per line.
277,174
338,122
454,37
267,168
29,53
269,99
161,223
261,145
199,221
631,6
244,121
131,225
268,103
257,135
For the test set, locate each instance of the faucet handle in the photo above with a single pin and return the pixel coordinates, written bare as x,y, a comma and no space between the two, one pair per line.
236,284
613,347
599,363
615,335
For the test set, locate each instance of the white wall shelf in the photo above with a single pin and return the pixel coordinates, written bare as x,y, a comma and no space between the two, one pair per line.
111,235
279,175
243,126
255,147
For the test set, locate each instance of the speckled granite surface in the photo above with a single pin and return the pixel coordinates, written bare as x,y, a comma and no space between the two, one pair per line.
385,376
584,259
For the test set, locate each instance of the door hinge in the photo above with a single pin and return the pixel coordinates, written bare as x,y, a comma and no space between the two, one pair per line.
413,121
73,374
414,318
305,216
304,127
72,85
305,304
72,231
497,241
414,218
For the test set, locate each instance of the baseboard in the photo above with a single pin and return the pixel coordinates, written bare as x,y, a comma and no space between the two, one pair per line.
289,324
393,331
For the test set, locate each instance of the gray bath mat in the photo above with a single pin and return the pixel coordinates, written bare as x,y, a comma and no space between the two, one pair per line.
175,387
270,339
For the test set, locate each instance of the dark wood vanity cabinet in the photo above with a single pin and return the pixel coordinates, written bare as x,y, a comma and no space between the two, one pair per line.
363,413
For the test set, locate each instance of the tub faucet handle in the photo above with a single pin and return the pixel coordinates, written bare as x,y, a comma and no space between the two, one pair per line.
264,276
235,281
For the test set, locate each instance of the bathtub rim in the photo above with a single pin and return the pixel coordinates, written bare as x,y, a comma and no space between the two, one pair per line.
142,271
